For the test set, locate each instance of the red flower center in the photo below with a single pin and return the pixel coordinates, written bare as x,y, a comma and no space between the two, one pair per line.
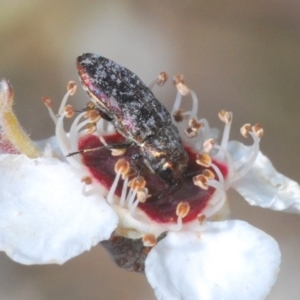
161,206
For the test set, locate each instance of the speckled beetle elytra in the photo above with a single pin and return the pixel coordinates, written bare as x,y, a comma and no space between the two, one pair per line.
123,99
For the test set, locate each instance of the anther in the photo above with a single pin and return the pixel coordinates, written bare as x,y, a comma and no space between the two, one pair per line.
201,181
190,132
69,111
178,115
193,128
258,130
118,152
87,180
208,145
182,209
149,240
225,116
142,194
245,129
48,102
208,173
180,85
90,105
194,124
201,218
162,78
72,87
137,183
122,166
93,115
203,159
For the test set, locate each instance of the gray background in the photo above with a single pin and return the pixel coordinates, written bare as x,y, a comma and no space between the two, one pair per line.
242,56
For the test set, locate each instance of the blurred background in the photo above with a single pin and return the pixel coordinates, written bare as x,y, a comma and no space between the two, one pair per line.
242,56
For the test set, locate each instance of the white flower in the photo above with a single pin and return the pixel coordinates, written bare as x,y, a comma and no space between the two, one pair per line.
231,260
44,215
53,207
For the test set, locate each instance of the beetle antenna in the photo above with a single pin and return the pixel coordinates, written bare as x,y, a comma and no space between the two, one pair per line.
168,191
85,151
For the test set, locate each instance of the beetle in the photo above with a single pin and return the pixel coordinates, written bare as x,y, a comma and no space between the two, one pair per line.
123,99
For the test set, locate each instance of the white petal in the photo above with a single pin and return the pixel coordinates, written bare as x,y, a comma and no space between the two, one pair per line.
231,260
44,215
50,145
264,186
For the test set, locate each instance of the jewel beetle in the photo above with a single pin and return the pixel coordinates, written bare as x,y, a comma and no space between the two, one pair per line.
123,99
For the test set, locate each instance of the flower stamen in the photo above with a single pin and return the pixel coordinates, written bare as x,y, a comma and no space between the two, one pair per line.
201,181
203,159
182,210
245,129
118,152
219,174
122,167
194,126
49,104
190,132
226,117
201,218
87,180
258,130
69,111
209,174
136,185
149,240
72,87
178,115
160,80
242,169
218,200
142,195
208,145
180,85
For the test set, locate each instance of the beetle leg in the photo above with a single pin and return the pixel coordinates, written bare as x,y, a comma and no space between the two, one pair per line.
85,151
191,174
126,144
134,161
168,191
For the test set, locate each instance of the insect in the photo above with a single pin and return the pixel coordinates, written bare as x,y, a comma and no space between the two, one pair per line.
136,114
